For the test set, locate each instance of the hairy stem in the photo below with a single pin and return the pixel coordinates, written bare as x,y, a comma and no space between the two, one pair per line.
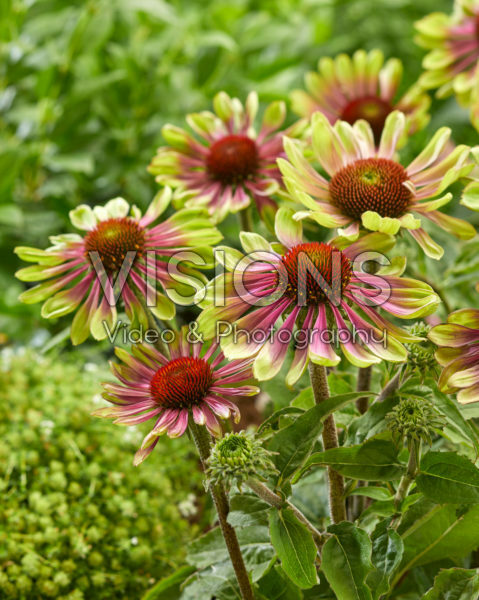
355,504
411,472
390,387
363,385
275,500
319,383
202,440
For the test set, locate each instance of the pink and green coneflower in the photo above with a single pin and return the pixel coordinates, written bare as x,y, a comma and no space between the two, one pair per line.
453,41
81,272
366,186
355,314
192,381
361,87
458,354
228,163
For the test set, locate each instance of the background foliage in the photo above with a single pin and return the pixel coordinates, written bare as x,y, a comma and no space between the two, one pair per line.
77,519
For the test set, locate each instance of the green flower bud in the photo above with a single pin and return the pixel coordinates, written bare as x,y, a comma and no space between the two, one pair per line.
421,354
414,419
237,457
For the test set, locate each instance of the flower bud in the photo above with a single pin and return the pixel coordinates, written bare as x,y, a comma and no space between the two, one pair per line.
421,354
237,457
414,419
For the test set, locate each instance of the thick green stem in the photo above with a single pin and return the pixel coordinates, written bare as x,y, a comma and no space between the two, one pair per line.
319,383
411,472
275,500
246,219
202,440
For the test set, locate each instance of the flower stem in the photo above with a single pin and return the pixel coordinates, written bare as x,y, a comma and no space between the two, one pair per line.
411,472
319,383
202,440
275,500
246,219
390,387
363,384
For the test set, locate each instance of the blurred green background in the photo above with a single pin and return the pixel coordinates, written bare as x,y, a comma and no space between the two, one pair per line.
85,87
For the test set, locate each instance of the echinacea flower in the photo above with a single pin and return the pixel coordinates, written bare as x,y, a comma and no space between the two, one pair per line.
191,381
361,87
453,41
322,295
368,186
459,354
230,162
118,249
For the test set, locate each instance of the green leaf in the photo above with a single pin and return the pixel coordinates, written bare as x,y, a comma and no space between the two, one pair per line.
447,477
387,553
214,582
375,460
294,546
455,584
432,532
247,510
374,492
455,417
304,399
340,401
210,549
275,585
169,587
276,416
372,422
294,443
346,561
